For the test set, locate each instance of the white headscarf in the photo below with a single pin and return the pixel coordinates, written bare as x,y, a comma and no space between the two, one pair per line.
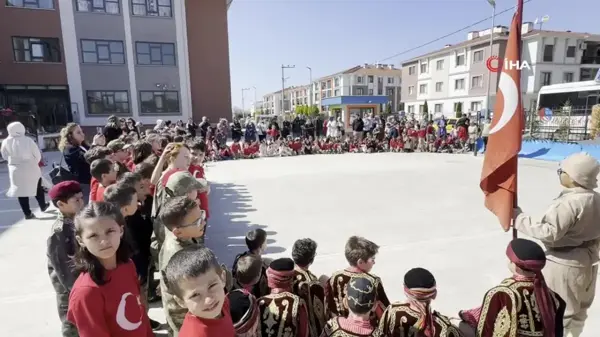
17,145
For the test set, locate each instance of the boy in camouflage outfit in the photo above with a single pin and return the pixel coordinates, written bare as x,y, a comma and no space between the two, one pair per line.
68,198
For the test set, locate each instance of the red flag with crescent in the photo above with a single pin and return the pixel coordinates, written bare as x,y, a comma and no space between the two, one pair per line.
499,173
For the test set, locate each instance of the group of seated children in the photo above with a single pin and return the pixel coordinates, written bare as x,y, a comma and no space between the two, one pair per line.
284,298
408,142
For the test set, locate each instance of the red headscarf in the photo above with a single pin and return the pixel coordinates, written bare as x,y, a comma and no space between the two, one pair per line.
540,289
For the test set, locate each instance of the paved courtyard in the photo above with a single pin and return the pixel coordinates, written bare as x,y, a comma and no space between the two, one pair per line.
422,209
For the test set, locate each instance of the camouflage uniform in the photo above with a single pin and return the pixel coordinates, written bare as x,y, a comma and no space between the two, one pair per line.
174,313
61,248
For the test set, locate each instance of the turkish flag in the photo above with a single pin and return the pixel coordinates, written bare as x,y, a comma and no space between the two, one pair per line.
499,173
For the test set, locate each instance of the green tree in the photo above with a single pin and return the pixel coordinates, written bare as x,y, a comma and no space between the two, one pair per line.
388,109
458,110
314,110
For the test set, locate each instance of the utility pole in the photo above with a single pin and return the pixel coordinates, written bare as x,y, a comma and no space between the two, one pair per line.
310,90
243,111
283,68
253,87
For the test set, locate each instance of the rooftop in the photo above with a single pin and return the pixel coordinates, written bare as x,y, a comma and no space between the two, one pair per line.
501,33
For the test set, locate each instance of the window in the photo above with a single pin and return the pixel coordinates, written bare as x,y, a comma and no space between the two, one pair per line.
108,102
411,90
475,106
389,92
439,86
149,53
439,65
571,51
337,82
99,6
359,79
438,108
477,81
548,53
43,4
478,56
568,77
380,80
151,7
370,79
546,78
360,91
336,93
371,92
423,68
411,109
422,88
380,91
159,102
460,60
390,80
459,84
102,51
422,108
33,49
412,70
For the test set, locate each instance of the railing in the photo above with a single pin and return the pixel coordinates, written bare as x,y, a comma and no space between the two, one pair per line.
566,125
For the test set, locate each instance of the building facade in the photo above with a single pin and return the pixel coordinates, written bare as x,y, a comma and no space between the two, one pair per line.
364,80
456,77
144,59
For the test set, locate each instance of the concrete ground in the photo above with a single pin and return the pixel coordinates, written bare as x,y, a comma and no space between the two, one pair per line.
422,209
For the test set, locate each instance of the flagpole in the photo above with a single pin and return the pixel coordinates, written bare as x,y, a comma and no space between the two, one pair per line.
489,81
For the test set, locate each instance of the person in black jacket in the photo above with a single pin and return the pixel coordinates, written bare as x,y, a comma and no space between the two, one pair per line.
358,128
112,130
73,146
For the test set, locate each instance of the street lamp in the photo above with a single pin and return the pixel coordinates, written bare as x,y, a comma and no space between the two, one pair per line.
310,90
243,111
283,68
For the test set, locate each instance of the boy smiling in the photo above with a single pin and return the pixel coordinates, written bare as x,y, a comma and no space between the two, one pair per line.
195,278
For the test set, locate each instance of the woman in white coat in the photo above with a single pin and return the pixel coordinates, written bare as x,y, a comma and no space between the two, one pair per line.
332,128
23,157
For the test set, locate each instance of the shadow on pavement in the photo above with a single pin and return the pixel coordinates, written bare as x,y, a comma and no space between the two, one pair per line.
229,204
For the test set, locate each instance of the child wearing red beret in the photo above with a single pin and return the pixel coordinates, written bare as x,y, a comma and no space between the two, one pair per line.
68,198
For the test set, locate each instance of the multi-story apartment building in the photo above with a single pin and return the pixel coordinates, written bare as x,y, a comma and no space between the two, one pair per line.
456,76
362,80
145,59
299,95
271,103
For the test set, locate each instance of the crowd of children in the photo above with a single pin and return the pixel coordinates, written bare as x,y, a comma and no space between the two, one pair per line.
148,212
400,138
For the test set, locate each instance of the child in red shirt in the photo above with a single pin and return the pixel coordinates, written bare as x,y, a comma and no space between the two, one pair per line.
236,149
197,170
104,171
201,293
105,299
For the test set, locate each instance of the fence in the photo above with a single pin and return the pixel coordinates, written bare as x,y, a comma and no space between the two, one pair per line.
567,124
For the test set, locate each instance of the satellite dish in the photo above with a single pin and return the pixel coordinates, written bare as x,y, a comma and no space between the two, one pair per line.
545,18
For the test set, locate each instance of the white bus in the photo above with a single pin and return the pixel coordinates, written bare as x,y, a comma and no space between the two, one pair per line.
581,96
